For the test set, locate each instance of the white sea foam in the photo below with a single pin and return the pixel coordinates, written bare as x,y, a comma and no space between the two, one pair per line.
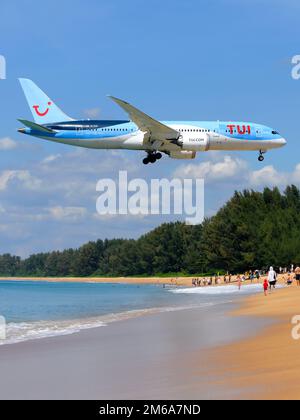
24,331
222,290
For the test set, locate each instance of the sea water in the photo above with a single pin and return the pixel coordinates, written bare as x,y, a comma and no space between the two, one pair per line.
35,309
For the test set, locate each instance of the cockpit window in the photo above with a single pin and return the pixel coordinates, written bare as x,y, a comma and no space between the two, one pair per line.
275,132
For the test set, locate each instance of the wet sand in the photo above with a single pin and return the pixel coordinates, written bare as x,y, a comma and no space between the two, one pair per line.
268,365
148,357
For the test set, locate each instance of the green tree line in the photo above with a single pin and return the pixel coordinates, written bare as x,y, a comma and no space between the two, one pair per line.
253,230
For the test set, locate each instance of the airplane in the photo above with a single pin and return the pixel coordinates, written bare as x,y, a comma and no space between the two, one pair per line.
177,139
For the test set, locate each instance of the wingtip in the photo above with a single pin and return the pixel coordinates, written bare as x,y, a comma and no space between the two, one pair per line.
113,98
118,100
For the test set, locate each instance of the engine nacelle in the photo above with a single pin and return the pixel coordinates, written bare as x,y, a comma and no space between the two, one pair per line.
183,154
197,141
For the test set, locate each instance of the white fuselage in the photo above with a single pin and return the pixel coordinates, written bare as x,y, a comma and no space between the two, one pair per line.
194,137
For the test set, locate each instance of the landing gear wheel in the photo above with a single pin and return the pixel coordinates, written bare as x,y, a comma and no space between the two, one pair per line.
261,155
152,157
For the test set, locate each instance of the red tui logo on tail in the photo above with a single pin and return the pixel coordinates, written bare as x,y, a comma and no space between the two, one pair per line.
41,114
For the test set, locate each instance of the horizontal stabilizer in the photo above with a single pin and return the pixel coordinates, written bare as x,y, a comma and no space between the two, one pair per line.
36,127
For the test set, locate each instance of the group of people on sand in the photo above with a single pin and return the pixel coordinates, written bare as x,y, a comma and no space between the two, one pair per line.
227,278
198,282
269,282
293,275
209,281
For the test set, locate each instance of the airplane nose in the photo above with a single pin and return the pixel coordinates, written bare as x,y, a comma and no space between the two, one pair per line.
21,130
283,142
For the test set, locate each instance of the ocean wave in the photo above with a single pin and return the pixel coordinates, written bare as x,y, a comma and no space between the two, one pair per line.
24,331
222,290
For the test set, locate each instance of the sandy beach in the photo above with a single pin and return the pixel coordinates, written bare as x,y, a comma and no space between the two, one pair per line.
149,357
266,366
176,281
232,350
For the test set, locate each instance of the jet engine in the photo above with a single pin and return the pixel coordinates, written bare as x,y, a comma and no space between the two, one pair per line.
197,141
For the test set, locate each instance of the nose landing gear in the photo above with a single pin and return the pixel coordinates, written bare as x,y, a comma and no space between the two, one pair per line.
261,157
152,158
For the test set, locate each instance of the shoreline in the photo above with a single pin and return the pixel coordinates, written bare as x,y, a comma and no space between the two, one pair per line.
171,281
267,365
175,281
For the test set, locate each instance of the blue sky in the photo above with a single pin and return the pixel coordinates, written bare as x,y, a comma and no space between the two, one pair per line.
186,60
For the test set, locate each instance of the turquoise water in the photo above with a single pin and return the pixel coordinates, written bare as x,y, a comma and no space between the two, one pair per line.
36,301
41,309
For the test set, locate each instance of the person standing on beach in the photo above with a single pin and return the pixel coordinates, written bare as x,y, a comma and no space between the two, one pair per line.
239,281
272,278
289,279
297,272
266,286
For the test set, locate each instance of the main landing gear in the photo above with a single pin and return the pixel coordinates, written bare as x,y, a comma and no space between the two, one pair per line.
152,158
261,157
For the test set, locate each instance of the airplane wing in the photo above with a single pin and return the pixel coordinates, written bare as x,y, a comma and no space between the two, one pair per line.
156,130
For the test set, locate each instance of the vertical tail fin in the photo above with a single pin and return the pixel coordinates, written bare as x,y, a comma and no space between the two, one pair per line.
43,109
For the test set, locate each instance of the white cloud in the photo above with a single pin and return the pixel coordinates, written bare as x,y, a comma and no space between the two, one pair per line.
23,176
295,178
268,175
51,158
71,213
92,112
4,178
6,143
228,167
